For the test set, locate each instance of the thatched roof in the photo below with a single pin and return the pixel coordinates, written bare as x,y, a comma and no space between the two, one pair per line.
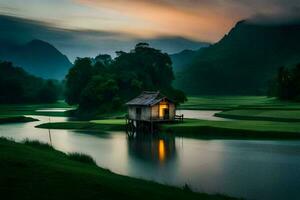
147,99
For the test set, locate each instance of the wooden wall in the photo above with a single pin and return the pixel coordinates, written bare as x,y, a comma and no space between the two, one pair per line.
148,113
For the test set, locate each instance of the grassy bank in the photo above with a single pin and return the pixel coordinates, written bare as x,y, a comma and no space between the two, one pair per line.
35,171
34,109
15,119
241,129
259,114
100,125
234,102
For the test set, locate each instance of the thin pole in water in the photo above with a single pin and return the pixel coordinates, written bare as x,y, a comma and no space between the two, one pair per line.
49,132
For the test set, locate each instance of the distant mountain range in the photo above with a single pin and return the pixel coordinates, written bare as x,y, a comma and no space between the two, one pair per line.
182,59
241,63
86,43
36,57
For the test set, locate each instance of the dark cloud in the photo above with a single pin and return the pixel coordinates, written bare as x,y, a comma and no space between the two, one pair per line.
75,43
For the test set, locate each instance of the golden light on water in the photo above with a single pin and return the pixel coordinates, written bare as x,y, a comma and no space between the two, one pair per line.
161,150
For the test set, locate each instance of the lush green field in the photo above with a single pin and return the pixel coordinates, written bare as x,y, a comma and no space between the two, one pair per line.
15,119
233,102
36,171
262,114
240,129
100,125
34,109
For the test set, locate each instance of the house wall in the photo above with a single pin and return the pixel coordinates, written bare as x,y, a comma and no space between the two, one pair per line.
172,110
148,113
155,111
145,112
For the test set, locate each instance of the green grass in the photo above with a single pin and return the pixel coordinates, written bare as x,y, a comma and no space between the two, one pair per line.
233,102
34,172
80,157
30,109
15,119
110,121
101,125
260,114
37,144
240,129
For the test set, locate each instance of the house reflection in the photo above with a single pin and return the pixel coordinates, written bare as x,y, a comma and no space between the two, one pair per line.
156,148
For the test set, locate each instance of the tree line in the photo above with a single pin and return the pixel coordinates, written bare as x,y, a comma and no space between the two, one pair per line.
103,84
286,85
17,86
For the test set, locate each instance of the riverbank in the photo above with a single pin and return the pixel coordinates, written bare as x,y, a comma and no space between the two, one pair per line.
58,109
239,129
15,119
262,114
237,102
36,171
98,125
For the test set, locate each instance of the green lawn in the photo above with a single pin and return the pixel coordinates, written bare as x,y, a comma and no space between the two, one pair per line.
35,171
240,129
110,121
100,125
261,114
15,119
32,109
232,102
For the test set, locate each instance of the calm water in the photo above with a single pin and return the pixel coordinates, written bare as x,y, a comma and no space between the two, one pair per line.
203,114
250,169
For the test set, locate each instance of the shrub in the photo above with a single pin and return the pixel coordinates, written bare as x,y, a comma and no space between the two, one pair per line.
37,144
83,158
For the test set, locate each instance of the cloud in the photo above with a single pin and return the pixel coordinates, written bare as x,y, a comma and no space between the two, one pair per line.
198,19
81,43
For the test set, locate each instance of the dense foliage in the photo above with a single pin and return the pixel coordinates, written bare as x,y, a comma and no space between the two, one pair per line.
106,84
242,62
286,86
17,86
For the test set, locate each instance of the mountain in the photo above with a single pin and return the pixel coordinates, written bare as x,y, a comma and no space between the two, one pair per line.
243,61
37,57
86,43
182,59
173,45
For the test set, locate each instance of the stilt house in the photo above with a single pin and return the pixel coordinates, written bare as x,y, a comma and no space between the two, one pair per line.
151,107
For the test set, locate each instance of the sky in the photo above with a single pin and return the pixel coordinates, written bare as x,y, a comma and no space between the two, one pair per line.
128,20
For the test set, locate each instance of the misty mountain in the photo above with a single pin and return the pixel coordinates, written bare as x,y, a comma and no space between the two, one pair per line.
37,57
182,59
242,62
172,45
85,43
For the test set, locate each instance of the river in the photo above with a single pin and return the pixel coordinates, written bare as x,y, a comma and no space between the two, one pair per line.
250,169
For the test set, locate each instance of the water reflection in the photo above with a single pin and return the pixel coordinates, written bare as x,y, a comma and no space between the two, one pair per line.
241,168
152,147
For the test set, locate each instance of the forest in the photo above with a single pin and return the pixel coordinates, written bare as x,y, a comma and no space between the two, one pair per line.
106,84
17,86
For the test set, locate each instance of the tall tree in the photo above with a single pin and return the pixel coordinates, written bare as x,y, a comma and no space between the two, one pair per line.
77,79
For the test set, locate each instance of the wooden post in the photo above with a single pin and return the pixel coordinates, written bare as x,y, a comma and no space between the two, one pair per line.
151,127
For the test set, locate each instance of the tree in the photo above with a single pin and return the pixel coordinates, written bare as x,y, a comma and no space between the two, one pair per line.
17,86
104,84
287,83
101,92
77,79
49,93
104,59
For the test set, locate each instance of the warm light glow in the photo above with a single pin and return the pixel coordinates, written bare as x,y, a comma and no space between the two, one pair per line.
203,20
161,150
162,106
